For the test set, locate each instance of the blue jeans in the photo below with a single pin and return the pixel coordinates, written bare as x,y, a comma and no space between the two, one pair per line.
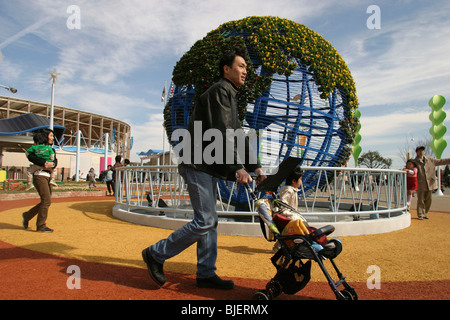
202,189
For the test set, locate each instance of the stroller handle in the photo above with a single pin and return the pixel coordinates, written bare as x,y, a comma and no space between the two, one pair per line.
248,188
325,230
251,192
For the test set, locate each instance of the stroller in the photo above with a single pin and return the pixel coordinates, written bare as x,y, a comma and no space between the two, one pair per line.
296,251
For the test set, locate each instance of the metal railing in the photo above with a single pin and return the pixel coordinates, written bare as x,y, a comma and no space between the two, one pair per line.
336,194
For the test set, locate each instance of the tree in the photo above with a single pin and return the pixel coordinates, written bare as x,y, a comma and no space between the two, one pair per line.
373,159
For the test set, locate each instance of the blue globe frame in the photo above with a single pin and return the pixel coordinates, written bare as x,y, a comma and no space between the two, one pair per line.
292,119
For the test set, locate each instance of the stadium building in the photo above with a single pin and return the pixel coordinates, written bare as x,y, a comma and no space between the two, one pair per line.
19,118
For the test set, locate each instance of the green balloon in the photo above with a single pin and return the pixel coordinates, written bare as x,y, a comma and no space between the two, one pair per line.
437,116
437,102
356,150
357,139
438,131
438,146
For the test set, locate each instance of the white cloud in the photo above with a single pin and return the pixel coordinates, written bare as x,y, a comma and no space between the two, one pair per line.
12,70
149,135
389,133
120,41
397,69
404,61
383,128
121,37
110,104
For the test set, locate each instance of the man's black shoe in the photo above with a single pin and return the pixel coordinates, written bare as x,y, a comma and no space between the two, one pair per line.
24,221
45,230
155,269
215,282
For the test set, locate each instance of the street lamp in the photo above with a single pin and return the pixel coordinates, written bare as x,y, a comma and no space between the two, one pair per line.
9,88
53,76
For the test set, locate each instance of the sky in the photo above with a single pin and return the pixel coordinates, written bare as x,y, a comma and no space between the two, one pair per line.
114,57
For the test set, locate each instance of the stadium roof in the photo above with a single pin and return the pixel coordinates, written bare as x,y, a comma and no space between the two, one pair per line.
28,122
12,130
92,126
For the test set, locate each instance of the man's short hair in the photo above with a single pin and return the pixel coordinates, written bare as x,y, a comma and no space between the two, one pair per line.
420,148
228,58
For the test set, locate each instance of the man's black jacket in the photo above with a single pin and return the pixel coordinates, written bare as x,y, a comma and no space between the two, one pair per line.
215,116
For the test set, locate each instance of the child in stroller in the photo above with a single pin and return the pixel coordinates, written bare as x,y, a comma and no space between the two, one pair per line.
285,215
297,243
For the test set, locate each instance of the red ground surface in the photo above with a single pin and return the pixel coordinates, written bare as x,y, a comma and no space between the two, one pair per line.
30,275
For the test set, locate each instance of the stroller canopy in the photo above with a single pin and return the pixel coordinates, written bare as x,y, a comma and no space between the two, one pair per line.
272,182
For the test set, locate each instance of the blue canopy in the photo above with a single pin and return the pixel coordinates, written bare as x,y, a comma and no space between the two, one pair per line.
28,122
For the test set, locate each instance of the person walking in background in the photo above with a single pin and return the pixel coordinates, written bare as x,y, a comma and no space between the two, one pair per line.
91,178
41,180
108,180
447,176
116,165
426,180
45,152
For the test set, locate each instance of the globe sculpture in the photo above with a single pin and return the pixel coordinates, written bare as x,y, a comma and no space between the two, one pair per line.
299,99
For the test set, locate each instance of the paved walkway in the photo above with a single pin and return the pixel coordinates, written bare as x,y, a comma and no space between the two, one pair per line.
108,253
439,203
